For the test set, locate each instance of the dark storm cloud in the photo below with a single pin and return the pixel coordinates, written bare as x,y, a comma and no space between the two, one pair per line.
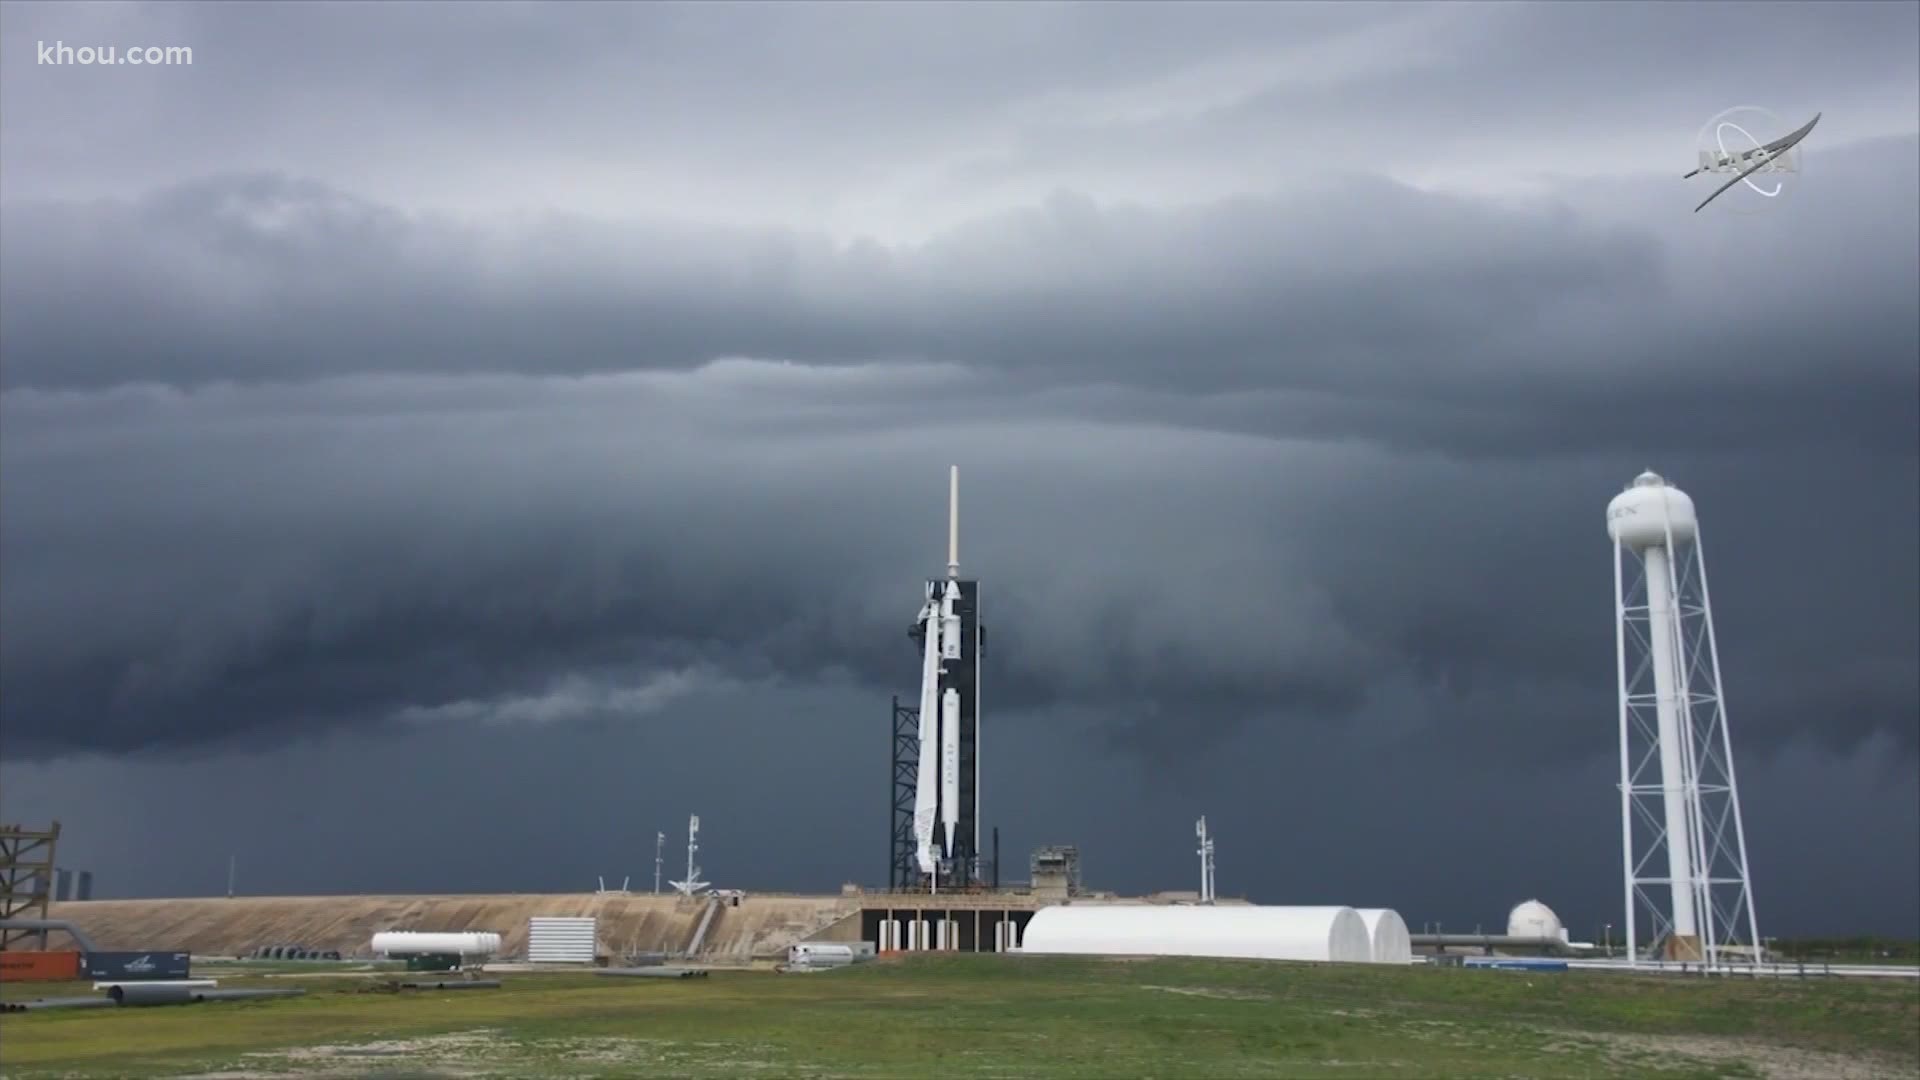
265,569
661,98
1190,432
1352,306
904,120
187,568
264,555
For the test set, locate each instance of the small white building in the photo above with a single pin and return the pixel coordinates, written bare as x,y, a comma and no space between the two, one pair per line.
1249,931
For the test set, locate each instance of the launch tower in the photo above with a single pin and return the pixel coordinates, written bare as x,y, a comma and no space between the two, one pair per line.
935,830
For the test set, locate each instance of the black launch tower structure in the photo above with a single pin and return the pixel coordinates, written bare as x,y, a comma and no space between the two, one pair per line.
964,866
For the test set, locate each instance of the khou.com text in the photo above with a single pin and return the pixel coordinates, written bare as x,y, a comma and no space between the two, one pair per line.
62,53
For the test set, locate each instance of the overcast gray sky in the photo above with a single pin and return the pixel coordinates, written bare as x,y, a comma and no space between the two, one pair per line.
532,419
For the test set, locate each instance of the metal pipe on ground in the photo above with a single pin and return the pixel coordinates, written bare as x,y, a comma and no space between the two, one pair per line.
136,994
58,1003
451,984
654,972
108,984
245,995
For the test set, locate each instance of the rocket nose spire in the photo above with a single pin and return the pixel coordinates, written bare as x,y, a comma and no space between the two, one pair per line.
953,521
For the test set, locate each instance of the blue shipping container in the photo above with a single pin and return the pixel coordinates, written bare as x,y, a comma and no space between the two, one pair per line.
136,965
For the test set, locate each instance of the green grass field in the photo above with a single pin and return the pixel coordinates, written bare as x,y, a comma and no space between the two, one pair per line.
981,1016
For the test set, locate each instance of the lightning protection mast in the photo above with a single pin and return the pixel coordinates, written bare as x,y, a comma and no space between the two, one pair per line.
1206,860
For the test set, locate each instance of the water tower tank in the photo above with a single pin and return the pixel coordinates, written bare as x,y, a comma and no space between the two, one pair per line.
1533,919
1641,516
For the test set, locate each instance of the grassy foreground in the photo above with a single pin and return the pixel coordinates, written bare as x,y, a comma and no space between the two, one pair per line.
980,1016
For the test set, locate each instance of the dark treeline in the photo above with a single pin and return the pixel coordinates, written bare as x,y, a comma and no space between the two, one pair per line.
1850,948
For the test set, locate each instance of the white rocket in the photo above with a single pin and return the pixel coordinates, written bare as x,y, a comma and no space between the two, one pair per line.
940,711
950,720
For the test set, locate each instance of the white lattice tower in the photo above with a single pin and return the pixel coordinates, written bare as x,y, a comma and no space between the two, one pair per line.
1687,887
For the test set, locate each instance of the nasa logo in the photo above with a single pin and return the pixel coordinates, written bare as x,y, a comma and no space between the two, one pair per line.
1757,172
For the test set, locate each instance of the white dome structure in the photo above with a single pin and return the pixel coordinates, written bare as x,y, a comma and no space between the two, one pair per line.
1641,516
1251,932
1533,919
1388,933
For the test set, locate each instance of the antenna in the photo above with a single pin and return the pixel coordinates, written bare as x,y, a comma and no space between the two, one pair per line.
953,521
693,884
1206,860
659,845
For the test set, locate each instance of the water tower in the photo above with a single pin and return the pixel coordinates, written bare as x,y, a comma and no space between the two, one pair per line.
1683,845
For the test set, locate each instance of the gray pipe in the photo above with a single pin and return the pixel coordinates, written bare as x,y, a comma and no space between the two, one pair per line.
79,937
136,994
58,1003
653,972
456,984
244,995
1496,941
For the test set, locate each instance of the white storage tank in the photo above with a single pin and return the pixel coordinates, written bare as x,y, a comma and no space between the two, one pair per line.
417,943
829,954
1265,933
553,939
1533,919
1388,933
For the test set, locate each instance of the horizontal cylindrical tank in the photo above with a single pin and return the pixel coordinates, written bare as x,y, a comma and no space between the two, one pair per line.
151,994
1388,933
416,943
1268,933
1643,515
829,953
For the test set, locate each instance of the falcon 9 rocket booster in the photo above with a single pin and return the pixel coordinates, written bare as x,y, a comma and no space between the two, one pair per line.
926,798
947,783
